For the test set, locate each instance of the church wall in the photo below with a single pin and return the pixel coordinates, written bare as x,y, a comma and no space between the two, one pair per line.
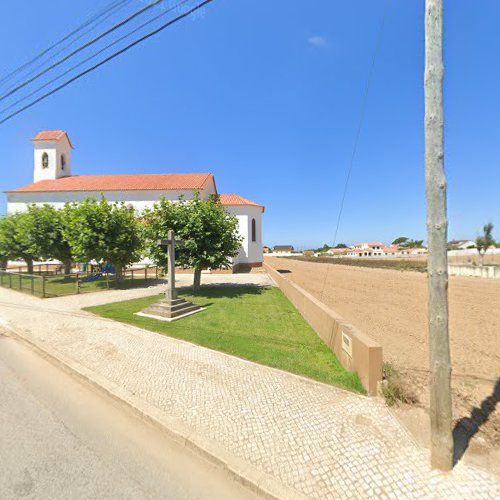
251,252
17,202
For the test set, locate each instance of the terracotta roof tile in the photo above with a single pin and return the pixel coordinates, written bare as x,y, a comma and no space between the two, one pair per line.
234,199
127,182
51,135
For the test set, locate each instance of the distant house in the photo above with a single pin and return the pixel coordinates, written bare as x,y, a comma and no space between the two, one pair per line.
391,250
266,249
416,251
461,244
283,249
308,253
337,251
366,249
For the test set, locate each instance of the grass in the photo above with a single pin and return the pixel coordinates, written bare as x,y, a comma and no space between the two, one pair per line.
257,324
396,264
57,286
393,389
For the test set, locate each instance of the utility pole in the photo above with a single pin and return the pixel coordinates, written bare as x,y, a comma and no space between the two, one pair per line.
437,235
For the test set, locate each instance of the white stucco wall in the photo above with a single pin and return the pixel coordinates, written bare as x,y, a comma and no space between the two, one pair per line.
54,150
17,202
251,252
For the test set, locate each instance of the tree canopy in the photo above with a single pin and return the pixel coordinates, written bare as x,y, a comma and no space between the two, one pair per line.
209,235
109,232
45,226
16,239
486,240
405,242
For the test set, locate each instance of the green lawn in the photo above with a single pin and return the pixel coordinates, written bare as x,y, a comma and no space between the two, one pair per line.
258,324
57,286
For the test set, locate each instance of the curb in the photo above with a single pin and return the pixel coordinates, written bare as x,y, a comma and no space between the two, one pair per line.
244,472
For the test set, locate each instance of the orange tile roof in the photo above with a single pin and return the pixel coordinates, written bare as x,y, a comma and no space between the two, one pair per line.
126,182
234,199
51,135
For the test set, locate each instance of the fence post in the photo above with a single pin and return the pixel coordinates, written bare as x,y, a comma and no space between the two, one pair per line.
32,285
77,284
20,282
107,280
1,278
146,274
156,271
43,286
10,280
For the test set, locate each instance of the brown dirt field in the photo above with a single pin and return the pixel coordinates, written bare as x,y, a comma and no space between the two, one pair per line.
391,307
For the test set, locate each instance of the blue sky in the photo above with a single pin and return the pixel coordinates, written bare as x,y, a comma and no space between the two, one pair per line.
267,96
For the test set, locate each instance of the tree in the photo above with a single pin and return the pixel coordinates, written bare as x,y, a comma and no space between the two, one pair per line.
109,232
4,243
341,245
405,242
485,241
45,226
208,233
16,239
400,241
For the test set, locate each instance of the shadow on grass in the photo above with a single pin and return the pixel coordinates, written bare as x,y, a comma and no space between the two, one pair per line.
467,427
224,290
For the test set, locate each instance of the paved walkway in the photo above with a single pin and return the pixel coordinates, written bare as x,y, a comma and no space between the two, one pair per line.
317,440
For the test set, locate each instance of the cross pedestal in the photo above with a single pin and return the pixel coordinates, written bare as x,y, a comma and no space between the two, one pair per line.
171,307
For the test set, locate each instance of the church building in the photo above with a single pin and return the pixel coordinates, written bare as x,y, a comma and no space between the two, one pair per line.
55,184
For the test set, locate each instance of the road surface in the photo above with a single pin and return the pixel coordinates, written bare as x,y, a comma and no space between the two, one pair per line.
60,439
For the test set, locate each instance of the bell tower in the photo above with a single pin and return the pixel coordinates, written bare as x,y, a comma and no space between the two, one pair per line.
52,155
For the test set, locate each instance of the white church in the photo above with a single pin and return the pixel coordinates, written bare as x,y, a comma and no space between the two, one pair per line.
54,184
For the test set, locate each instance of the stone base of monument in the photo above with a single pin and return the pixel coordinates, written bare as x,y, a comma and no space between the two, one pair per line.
170,310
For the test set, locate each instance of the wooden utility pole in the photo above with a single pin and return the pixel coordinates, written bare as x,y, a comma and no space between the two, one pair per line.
437,235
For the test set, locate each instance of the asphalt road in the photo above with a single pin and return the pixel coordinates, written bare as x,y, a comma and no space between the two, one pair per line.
61,440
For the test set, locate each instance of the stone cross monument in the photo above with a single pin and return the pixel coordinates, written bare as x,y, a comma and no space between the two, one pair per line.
170,244
171,307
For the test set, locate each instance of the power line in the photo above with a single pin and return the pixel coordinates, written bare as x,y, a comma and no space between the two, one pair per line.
109,58
81,63
90,21
82,47
63,49
360,127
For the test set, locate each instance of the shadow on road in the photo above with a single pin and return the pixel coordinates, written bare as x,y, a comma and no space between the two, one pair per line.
467,427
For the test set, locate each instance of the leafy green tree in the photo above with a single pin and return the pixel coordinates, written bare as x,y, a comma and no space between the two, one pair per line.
485,241
5,250
16,239
407,242
45,225
109,232
341,245
400,241
209,234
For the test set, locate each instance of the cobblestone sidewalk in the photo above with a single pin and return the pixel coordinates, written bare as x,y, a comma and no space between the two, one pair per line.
318,440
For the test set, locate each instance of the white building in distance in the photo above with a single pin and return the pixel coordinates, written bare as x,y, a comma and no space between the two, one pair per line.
54,184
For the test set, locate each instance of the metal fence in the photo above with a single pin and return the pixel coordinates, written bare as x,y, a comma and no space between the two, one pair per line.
46,285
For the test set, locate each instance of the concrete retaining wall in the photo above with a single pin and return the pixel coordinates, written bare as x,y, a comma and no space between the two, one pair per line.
478,271
356,351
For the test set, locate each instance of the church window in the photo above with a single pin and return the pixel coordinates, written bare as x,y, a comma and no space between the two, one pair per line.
254,231
45,160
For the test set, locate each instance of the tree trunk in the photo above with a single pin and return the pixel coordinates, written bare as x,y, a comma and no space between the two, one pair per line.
67,266
437,232
481,258
119,273
197,279
29,264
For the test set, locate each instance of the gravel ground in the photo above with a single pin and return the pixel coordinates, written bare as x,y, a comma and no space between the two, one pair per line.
391,307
